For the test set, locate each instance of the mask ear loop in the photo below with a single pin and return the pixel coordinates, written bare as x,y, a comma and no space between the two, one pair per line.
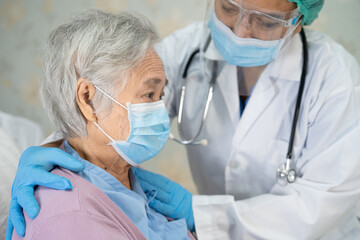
111,139
96,124
103,131
110,97
115,102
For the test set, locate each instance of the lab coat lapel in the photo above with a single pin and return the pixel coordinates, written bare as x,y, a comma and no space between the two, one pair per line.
228,85
286,68
261,97
226,82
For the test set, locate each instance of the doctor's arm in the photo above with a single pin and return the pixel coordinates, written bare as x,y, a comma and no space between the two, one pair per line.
33,169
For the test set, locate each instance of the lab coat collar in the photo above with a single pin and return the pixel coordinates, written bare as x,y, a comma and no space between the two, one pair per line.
212,53
227,82
288,65
228,85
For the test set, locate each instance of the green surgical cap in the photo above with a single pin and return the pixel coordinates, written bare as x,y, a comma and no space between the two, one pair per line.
309,8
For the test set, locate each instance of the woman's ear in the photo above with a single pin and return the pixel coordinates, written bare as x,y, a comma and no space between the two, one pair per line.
85,92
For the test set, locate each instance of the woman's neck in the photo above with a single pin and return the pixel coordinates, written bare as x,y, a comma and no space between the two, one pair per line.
104,157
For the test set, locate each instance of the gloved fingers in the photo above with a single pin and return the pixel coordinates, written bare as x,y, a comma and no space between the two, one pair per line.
183,207
50,180
60,158
160,194
30,154
152,178
9,229
161,207
47,158
16,219
190,222
26,199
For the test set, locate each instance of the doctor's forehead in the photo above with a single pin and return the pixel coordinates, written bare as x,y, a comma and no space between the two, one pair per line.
271,5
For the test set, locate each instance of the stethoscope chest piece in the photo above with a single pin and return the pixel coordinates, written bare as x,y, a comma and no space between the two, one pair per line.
284,175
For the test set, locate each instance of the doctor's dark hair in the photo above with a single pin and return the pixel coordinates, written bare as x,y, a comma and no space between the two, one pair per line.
98,46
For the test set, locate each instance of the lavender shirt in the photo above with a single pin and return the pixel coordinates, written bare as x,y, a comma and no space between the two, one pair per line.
98,207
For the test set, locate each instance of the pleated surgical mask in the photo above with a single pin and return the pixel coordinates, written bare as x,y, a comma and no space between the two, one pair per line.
149,131
243,52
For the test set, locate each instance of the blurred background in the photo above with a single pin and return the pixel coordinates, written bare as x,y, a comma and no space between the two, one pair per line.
25,25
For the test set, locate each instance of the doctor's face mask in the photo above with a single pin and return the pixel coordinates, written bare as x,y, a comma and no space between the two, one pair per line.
247,35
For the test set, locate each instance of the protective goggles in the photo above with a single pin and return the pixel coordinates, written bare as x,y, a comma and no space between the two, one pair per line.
249,21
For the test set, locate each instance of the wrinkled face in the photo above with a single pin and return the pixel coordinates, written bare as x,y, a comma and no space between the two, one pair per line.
255,18
145,84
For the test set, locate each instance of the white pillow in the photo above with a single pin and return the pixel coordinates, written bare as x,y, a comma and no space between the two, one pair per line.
22,131
9,157
16,134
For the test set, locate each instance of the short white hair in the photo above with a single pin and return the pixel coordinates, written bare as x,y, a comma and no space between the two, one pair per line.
98,46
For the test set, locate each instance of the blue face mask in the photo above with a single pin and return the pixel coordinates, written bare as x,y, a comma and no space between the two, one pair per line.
149,131
243,52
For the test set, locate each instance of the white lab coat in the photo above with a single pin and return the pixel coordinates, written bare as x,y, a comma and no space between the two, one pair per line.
235,172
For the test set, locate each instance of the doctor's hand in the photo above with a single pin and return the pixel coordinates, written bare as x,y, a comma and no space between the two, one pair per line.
33,169
167,197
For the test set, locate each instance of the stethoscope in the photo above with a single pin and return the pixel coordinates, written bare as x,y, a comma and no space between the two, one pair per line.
286,173
193,141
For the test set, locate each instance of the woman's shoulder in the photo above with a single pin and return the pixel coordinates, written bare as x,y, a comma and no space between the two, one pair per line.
54,201
84,208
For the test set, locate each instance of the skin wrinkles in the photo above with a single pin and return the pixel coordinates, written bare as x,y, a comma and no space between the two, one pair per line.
152,78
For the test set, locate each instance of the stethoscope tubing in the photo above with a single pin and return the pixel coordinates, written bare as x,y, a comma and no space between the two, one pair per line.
287,166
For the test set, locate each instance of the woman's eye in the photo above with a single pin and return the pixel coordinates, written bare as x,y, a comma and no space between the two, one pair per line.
162,96
150,95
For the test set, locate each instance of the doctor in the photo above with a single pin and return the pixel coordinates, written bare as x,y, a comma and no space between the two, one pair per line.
276,151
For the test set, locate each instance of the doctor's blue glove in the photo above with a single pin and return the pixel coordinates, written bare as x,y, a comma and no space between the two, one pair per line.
167,197
33,169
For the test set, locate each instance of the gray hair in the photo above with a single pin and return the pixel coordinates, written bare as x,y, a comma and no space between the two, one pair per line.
98,46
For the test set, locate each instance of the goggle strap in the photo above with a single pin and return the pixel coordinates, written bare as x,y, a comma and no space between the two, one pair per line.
292,22
289,33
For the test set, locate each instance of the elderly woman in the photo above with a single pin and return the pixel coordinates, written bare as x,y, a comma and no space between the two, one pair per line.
102,87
